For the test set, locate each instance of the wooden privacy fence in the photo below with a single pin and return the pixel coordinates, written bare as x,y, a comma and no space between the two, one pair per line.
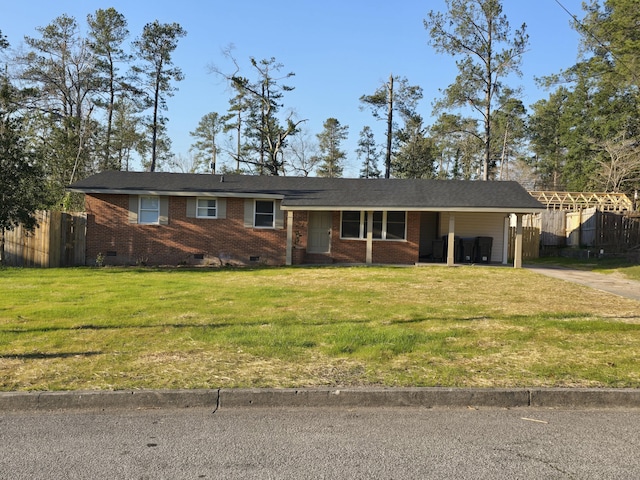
530,243
589,227
617,232
58,241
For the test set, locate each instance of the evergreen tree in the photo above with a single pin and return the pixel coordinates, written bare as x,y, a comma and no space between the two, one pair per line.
367,152
107,33
416,151
331,157
474,31
509,128
459,146
126,137
545,133
206,146
394,96
155,48
610,31
571,130
256,108
235,124
22,178
60,66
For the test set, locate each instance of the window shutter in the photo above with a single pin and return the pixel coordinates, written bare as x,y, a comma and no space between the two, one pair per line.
248,212
279,215
133,208
221,206
164,211
191,207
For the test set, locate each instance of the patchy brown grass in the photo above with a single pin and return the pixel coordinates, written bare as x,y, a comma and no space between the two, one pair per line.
294,327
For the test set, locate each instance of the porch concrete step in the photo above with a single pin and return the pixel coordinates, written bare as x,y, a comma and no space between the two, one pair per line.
317,259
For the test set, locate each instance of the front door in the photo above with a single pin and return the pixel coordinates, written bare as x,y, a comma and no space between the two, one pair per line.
319,232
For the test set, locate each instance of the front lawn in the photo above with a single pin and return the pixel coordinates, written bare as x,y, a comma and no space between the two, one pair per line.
470,326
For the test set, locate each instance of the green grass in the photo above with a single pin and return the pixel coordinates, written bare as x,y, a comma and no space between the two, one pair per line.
111,328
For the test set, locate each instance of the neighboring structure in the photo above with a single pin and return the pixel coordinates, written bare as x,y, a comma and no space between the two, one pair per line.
173,218
604,202
592,221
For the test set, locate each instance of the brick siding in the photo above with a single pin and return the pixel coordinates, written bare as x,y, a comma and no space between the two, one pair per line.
384,251
184,240
197,241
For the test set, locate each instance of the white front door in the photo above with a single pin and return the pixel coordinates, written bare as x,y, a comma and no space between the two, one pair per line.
319,232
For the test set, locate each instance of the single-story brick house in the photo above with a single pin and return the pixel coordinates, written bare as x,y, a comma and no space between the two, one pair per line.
191,219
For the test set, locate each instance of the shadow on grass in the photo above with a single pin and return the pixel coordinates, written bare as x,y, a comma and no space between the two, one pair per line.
119,327
45,356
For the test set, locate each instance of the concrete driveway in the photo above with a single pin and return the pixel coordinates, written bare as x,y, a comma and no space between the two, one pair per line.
613,283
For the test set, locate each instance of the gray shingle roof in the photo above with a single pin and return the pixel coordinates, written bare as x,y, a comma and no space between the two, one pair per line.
302,193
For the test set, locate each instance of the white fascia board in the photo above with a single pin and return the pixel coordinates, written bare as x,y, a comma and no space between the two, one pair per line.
416,209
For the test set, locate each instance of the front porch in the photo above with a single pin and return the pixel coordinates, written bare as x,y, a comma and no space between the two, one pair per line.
447,237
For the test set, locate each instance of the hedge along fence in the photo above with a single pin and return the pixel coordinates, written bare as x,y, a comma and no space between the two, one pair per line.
58,241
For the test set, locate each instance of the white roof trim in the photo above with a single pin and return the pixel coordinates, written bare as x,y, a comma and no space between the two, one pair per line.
417,209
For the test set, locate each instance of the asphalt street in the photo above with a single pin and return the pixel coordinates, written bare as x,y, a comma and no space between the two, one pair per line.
320,443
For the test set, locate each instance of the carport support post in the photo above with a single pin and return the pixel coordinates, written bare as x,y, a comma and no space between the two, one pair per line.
506,237
289,259
451,241
369,256
517,254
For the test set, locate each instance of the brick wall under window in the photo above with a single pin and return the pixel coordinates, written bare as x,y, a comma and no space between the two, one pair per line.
183,241
384,251
197,241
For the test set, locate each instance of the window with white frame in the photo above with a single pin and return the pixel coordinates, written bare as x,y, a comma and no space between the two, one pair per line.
149,209
352,225
206,208
386,225
264,214
395,225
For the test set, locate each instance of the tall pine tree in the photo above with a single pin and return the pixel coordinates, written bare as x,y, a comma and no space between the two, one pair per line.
331,156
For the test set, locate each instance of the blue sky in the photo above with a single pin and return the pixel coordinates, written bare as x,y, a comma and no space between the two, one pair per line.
338,50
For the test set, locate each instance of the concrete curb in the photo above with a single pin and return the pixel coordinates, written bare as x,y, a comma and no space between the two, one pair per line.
373,397
107,400
320,398
585,398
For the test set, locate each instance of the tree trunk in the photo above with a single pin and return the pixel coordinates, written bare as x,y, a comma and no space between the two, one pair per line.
239,144
487,111
387,161
154,126
504,158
